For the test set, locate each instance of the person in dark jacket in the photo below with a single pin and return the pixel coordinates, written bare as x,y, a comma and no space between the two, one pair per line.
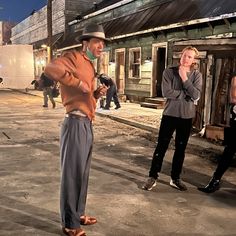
229,149
111,92
181,86
47,85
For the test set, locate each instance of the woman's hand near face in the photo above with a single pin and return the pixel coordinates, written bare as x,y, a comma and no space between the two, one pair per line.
183,73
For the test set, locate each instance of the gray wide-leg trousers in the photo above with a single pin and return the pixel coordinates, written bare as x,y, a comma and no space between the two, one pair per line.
76,150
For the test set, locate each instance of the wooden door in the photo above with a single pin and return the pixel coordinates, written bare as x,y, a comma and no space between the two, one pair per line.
224,68
120,71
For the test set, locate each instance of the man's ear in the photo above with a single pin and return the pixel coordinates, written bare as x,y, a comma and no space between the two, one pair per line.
85,45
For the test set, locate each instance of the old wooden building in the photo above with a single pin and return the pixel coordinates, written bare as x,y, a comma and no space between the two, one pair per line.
5,32
148,36
34,29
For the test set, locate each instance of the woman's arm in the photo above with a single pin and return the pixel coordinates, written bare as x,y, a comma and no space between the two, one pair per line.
167,86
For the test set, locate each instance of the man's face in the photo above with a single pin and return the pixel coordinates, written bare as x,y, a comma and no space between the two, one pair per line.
95,46
187,58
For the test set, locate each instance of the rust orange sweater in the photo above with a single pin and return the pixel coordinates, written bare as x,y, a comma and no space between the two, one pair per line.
70,70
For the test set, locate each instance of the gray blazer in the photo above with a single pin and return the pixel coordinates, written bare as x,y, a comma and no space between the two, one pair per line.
181,96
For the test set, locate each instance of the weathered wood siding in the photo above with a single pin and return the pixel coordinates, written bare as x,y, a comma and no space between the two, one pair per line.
74,8
5,32
34,28
136,88
142,87
217,67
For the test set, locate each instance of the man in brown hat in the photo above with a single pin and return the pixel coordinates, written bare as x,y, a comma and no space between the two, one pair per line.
76,75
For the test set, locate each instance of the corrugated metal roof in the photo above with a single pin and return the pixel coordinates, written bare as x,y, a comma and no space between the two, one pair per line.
101,5
176,11
165,13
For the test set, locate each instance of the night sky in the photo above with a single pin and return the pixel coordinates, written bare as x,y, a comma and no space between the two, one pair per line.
18,10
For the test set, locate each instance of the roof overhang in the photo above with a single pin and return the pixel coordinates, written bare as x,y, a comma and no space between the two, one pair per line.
55,39
177,25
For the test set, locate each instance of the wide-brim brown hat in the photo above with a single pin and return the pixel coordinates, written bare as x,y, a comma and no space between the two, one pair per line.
93,30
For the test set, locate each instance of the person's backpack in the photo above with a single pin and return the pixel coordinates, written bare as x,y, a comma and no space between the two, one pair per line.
55,91
105,79
46,82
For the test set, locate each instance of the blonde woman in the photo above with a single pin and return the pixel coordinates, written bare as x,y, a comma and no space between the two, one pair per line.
181,86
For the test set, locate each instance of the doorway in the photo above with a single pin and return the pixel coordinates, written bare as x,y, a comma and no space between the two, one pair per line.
159,53
120,70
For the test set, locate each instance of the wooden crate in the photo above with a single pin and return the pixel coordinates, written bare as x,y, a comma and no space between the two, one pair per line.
215,132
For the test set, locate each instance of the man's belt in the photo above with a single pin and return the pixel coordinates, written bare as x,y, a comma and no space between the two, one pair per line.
76,114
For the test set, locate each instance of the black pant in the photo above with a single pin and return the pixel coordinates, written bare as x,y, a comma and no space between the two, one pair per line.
112,93
168,125
228,153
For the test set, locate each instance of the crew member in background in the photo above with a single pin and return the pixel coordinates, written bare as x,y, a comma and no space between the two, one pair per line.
47,86
111,92
230,147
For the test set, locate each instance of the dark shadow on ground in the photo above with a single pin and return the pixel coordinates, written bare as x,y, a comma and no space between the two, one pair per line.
25,215
138,159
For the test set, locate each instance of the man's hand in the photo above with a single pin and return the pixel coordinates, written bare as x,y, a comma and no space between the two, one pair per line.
183,73
101,91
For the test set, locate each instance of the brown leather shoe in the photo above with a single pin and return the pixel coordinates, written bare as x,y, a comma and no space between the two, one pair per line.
73,232
87,220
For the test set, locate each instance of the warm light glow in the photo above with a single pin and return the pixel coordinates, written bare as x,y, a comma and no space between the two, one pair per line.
43,46
148,60
42,62
112,62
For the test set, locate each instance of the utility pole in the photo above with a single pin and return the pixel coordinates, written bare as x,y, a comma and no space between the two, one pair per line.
49,29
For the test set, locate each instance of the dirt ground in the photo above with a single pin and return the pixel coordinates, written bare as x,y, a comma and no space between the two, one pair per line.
30,179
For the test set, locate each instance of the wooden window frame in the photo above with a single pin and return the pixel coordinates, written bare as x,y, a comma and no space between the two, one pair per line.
134,63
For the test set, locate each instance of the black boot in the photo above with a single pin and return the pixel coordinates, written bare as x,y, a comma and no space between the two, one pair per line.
53,105
106,108
212,186
117,107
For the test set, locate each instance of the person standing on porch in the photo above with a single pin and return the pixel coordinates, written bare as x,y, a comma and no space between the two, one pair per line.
230,147
76,75
181,86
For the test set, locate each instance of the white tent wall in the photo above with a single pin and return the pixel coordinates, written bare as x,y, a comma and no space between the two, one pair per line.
16,66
